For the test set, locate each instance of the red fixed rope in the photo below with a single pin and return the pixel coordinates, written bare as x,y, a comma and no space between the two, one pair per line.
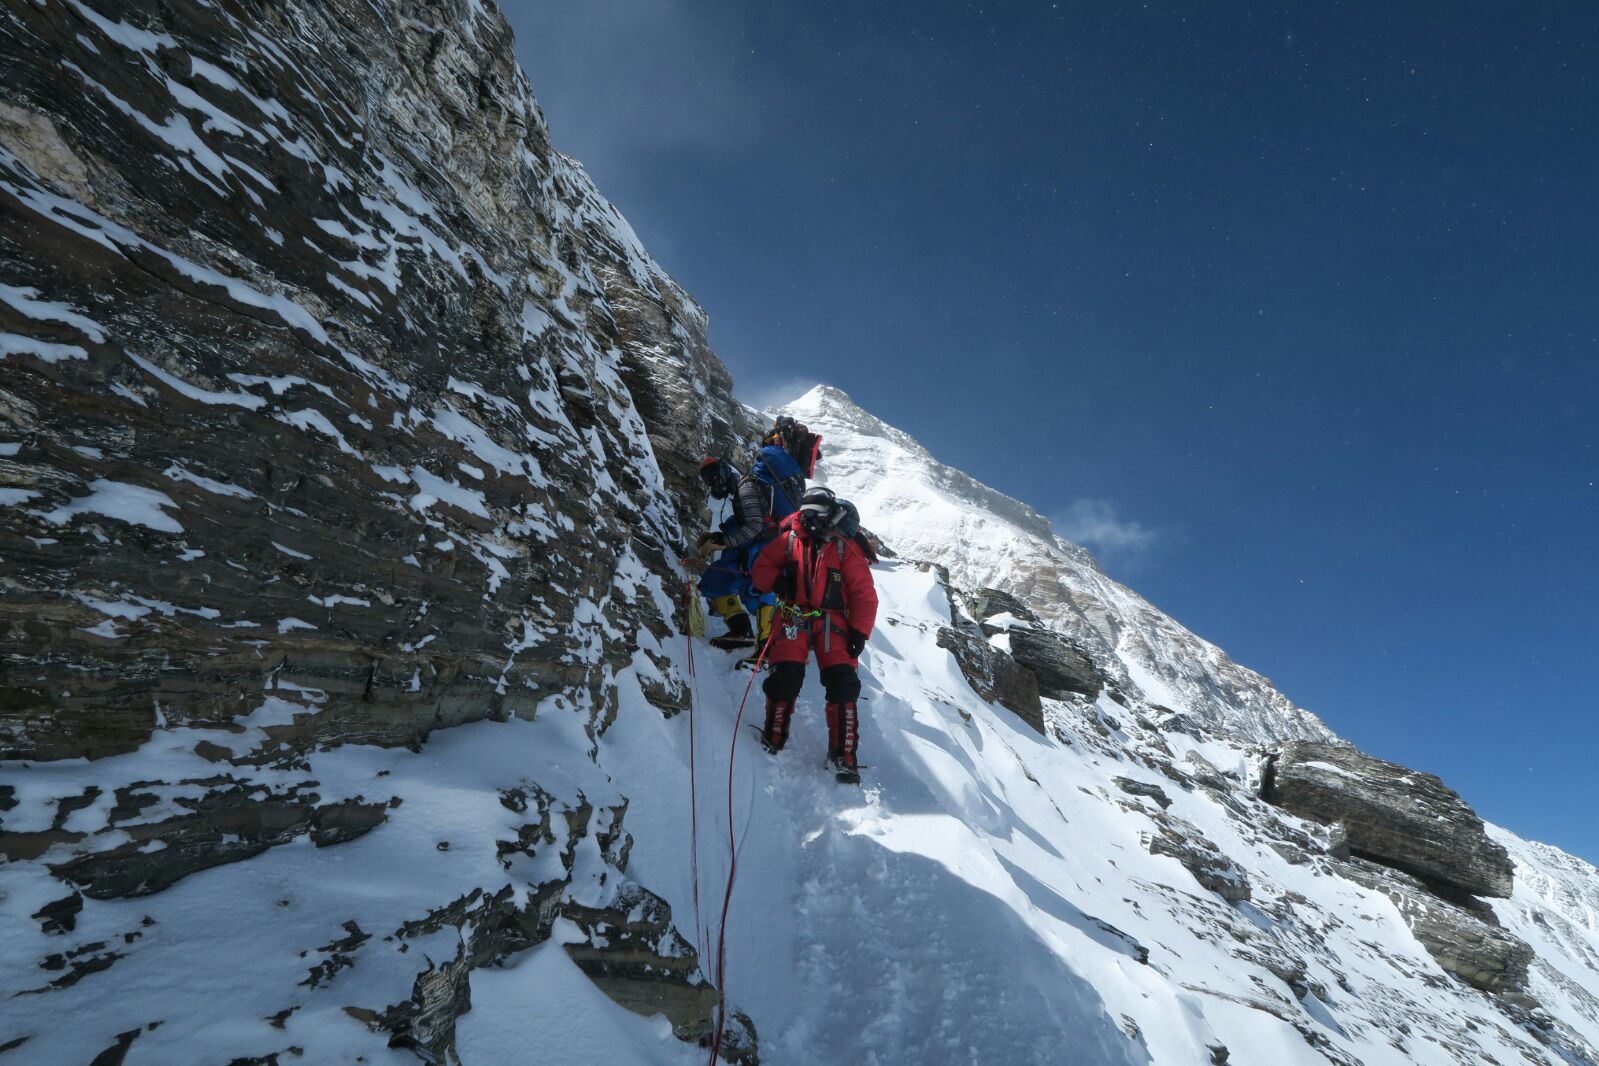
693,747
732,860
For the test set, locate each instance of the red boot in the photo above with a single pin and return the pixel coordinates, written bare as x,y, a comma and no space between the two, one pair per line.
775,733
843,739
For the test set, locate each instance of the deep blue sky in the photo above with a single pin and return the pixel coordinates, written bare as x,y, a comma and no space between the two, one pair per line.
1291,313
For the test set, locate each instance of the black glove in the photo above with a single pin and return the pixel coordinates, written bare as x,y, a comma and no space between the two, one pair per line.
784,586
711,542
856,643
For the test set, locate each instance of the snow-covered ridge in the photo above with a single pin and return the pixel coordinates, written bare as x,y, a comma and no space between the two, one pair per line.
1555,909
927,510
383,754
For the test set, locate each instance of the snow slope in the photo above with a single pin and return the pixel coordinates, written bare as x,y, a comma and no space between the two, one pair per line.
993,894
1555,908
989,896
287,950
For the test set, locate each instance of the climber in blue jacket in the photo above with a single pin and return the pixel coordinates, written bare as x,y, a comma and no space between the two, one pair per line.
760,500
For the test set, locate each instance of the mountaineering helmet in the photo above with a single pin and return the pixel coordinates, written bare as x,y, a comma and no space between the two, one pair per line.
818,509
720,476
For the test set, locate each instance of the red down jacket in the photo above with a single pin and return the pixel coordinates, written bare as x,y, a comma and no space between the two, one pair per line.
831,574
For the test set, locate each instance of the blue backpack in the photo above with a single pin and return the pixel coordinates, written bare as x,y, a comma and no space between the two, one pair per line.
783,479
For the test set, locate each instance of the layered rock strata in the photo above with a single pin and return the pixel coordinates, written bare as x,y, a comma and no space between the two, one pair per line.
1393,815
1412,838
1063,671
337,408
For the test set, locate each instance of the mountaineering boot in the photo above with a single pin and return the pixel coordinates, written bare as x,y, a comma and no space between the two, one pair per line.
843,738
763,617
835,740
739,634
775,733
728,607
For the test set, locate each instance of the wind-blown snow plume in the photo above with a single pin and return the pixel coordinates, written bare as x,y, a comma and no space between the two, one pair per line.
1097,524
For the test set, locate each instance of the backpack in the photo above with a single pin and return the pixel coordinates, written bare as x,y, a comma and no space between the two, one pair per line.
776,469
848,526
848,521
799,442
719,474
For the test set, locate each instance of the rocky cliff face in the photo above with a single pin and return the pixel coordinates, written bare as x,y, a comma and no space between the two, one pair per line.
313,349
1407,820
347,436
329,415
1412,838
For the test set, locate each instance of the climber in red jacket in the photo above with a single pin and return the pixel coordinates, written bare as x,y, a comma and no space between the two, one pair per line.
828,605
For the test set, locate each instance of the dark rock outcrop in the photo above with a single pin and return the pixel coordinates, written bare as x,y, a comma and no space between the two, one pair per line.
631,948
1394,816
1008,657
1406,835
1145,789
635,956
1063,671
340,396
337,408
1468,944
1183,841
229,824
989,603
994,675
